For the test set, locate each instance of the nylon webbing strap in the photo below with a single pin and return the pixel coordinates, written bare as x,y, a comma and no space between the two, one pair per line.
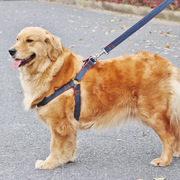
56,93
90,62
138,25
77,102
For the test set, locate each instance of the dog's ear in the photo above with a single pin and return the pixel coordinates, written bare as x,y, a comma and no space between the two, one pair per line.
54,47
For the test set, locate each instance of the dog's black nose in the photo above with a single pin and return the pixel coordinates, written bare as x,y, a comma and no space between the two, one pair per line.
12,52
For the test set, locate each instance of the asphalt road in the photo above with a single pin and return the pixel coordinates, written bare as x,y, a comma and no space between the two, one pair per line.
124,154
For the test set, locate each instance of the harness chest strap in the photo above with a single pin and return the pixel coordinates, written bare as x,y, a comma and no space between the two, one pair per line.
87,65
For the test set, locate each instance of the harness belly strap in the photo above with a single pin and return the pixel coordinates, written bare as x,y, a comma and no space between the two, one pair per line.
77,101
88,63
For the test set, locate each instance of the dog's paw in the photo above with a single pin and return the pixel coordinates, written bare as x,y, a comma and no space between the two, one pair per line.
176,154
160,162
45,165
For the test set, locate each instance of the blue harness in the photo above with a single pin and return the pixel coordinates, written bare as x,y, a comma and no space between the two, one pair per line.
91,61
88,63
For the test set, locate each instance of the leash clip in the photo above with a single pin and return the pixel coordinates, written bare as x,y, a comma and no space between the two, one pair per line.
100,54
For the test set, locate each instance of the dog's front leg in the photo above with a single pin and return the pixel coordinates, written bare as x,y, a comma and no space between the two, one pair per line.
63,147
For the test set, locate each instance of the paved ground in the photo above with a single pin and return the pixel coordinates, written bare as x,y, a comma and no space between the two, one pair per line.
111,155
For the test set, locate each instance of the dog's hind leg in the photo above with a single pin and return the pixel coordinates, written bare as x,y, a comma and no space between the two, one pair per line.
63,146
161,125
167,139
163,129
177,147
174,111
176,129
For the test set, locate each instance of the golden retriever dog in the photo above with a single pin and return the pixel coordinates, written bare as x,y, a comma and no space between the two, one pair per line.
141,86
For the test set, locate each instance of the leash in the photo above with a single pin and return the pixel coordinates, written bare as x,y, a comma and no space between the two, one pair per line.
91,61
134,28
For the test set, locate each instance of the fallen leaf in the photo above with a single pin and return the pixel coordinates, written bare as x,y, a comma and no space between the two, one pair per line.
159,178
167,46
112,30
165,53
71,21
81,39
87,26
143,133
111,20
72,46
157,47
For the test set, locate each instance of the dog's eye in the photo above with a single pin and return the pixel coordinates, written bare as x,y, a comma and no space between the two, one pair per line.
29,40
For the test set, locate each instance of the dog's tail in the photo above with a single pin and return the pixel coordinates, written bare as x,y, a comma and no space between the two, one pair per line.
174,102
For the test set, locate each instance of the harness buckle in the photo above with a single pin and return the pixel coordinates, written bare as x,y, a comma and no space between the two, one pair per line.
76,82
91,58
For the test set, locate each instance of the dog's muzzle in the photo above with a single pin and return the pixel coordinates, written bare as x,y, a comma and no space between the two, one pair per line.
20,62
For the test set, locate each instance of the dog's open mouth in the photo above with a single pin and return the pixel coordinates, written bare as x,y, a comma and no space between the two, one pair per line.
21,62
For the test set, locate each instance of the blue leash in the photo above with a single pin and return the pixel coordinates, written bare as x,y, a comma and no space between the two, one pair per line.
90,62
135,27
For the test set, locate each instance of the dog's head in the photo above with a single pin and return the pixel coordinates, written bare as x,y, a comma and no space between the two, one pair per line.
34,44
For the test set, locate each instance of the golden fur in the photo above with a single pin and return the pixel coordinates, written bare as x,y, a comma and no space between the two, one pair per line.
144,86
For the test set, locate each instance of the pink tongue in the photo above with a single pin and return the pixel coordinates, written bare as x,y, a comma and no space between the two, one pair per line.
16,63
